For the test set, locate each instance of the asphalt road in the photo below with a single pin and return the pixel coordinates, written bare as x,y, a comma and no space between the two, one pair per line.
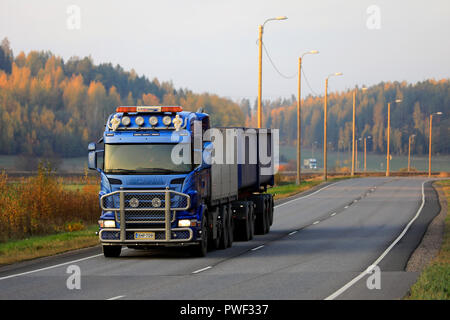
319,247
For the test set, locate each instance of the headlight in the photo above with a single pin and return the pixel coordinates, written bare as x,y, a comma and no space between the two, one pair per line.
153,121
139,121
167,120
126,121
107,223
184,223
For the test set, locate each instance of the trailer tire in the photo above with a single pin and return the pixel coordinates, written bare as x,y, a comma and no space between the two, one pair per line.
223,239
271,209
267,214
261,214
243,229
252,219
230,225
111,251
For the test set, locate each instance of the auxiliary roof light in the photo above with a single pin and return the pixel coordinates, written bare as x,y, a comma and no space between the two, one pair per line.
153,121
167,120
139,121
126,121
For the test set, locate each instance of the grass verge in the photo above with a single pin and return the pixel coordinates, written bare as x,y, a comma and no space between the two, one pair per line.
42,246
434,281
290,189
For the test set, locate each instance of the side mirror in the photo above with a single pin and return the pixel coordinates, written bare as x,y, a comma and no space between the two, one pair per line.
92,160
91,146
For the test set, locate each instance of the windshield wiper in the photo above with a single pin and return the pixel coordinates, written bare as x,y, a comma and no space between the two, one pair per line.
155,170
121,170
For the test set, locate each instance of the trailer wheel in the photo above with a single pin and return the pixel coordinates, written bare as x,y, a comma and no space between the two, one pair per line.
111,251
224,232
271,209
267,214
230,225
261,220
200,249
242,230
251,219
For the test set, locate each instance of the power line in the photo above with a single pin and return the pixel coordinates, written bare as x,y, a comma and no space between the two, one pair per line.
307,82
273,65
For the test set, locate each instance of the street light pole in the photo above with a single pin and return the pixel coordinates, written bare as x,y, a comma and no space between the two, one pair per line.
365,153
411,137
354,130
429,148
388,156
299,122
260,44
325,125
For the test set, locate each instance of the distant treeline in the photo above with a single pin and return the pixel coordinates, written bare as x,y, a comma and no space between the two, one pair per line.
410,117
50,107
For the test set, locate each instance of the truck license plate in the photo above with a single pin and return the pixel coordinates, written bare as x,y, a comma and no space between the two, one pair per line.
144,236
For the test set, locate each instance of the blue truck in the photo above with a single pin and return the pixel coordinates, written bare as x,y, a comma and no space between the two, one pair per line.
169,179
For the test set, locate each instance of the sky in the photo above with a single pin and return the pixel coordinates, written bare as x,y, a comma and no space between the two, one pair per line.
211,46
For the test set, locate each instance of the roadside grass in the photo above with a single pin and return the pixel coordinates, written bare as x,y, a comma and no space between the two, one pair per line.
434,281
286,190
42,246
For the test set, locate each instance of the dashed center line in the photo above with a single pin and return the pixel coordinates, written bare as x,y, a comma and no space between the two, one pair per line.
203,269
346,207
316,222
333,214
257,248
115,298
293,232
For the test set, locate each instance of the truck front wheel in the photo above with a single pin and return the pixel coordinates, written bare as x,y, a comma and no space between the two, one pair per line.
112,251
200,249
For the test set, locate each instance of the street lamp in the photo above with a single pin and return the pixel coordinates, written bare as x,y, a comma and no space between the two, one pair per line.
388,156
411,137
365,152
299,101
325,125
261,29
429,149
353,135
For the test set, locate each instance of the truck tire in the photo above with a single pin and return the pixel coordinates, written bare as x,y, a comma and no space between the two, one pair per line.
200,249
111,251
252,219
271,209
223,239
261,220
267,213
242,231
230,225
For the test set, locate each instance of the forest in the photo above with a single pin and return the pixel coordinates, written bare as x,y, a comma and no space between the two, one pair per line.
51,107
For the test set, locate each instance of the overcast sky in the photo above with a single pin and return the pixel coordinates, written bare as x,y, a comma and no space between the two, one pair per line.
211,46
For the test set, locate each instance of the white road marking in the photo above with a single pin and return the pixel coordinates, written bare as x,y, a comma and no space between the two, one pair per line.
316,222
257,248
362,274
282,204
333,214
346,207
203,269
293,232
115,298
52,267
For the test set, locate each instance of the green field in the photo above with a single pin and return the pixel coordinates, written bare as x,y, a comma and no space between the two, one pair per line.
375,162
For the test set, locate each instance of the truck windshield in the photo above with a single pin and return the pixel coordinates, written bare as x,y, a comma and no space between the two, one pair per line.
142,159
